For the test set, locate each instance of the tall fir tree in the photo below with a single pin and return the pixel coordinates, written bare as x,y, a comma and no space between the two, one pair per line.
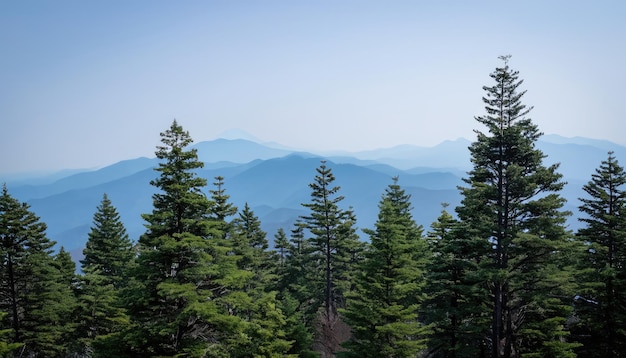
601,303
336,248
173,301
512,202
108,248
383,308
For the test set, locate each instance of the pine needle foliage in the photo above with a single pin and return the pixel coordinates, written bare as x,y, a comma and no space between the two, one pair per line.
601,303
383,308
108,249
173,300
512,202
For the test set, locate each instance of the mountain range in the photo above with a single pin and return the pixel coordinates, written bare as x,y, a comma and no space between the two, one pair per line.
274,180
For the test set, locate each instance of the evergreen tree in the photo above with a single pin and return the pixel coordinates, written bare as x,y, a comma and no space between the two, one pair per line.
34,291
6,347
383,308
455,308
259,306
601,304
173,301
336,248
221,207
103,319
108,248
281,247
63,304
108,257
512,202
298,299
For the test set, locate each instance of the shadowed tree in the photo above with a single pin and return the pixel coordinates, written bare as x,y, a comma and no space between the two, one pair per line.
512,202
456,309
335,248
601,304
35,286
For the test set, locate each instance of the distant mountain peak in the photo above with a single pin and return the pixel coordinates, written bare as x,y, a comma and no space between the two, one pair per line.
236,133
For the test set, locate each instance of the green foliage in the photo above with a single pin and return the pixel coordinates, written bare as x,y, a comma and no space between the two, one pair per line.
333,238
281,248
174,299
102,315
334,251
258,306
512,202
382,310
456,308
298,300
108,248
108,258
601,303
36,287
6,347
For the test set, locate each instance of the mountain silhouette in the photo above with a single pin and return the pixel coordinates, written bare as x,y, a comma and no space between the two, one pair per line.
274,182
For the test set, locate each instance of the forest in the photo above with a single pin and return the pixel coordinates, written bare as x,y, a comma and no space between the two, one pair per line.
500,275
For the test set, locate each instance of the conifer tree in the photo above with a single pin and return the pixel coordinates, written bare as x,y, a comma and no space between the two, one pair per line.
259,308
108,248
281,247
108,257
6,347
456,309
222,208
33,288
512,202
174,298
103,319
601,303
336,248
298,299
383,308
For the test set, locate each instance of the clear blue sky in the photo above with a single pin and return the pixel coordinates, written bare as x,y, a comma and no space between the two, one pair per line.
89,83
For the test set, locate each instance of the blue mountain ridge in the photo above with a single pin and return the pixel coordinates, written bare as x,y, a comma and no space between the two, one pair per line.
275,182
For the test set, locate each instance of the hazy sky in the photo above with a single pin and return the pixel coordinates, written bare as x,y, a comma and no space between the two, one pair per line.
89,83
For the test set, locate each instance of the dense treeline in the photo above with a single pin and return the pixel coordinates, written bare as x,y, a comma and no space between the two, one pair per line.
504,277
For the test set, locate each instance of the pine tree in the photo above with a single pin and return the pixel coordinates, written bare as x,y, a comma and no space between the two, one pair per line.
298,298
383,308
108,248
601,303
103,319
336,248
108,258
512,202
34,290
456,308
173,301
260,305
6,347
221,207
281,247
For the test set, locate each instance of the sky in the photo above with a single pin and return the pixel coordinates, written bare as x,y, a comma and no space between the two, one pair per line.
85,84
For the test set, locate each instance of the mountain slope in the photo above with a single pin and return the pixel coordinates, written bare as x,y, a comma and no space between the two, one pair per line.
275,185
